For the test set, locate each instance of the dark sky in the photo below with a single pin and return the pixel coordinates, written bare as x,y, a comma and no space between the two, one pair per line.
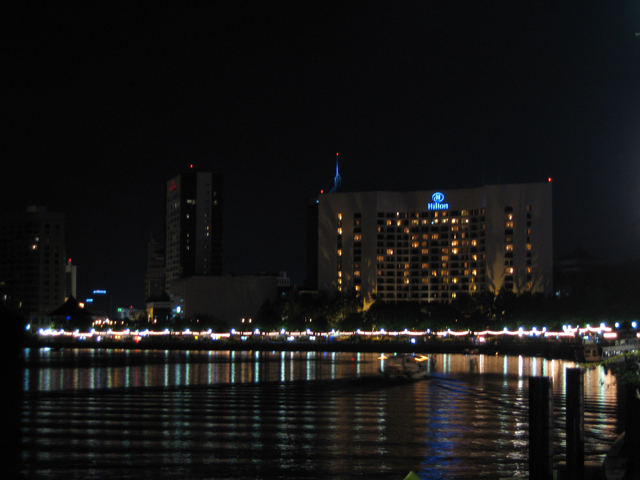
103,104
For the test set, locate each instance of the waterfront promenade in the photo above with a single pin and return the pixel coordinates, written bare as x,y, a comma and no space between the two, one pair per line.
561,348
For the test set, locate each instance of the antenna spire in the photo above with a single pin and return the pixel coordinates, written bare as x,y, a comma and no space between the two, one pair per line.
337,180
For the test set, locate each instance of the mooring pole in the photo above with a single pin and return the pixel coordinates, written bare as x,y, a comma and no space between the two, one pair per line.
575,423
540,443
631,399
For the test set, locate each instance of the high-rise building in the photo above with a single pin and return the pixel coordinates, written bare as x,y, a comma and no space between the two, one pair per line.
32,260
436,245
194,223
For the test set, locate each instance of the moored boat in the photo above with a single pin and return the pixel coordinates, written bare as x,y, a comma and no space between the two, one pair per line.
407,367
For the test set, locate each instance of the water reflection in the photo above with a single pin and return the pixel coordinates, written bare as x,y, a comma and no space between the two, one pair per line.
68,370
282,414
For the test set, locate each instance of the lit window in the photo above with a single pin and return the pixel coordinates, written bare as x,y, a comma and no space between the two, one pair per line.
455,280
357,237
340,231
509,247
339,252
357,288
415,244
454,251
510,270
474,272
339,274
529,246
389,251
453,295
474,243
339,216
356,273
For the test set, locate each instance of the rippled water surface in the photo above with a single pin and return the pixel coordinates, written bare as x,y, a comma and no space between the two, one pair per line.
180,414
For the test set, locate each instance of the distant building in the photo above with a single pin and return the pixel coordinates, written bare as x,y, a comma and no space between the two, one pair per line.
436,245
158,309
130,313
228,298
194,226
70,279
100,303
32,260
154,282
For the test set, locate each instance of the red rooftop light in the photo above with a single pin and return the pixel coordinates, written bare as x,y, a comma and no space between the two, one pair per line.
549,179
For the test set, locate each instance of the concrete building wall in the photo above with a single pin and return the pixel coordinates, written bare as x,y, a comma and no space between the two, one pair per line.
228,298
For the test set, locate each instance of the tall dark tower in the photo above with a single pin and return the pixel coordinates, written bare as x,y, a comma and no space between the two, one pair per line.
193,225
32,260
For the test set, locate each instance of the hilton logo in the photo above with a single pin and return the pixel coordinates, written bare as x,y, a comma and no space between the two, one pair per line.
438,202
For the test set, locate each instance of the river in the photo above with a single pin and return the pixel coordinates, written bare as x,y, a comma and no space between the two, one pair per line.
164,414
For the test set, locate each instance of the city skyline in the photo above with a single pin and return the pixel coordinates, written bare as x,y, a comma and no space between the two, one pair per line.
110,104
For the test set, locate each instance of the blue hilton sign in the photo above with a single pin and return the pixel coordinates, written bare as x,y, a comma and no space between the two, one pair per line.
438,202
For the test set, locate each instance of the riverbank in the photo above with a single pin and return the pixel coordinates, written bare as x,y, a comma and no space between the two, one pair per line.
503,346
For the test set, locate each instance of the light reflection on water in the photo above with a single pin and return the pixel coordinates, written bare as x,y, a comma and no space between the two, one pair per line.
174,414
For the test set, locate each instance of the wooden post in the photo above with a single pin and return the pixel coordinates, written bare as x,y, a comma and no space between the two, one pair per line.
632,426
575,423
540,443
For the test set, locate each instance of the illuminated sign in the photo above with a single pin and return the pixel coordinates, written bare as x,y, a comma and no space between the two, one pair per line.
438,202
99,292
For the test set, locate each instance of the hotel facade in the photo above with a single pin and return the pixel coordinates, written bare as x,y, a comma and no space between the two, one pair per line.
436,245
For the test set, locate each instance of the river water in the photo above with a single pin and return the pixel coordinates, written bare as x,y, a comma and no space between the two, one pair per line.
221,414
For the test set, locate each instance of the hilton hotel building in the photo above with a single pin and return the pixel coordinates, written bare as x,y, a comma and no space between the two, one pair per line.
436,245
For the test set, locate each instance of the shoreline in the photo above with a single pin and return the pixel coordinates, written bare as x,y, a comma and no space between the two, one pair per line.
556,350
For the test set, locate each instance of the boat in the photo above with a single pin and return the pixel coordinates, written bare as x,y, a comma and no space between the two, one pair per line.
405,367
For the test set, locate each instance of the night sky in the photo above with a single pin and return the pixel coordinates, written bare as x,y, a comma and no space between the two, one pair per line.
103,105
